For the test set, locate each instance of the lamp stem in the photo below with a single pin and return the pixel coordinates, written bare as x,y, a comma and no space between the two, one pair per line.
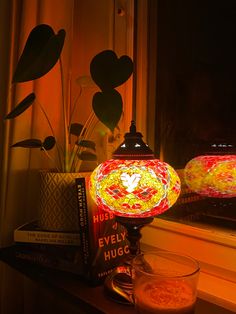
133,227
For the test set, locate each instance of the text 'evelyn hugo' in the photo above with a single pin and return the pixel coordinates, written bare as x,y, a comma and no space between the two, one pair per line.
114,245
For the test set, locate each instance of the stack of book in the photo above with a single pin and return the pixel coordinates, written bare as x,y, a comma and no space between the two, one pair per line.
92,253
52,249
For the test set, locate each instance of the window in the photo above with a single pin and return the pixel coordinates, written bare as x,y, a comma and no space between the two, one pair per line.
196,95
192,50
185,74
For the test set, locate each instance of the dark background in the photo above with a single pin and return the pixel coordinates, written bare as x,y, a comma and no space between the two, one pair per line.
196,77
196,95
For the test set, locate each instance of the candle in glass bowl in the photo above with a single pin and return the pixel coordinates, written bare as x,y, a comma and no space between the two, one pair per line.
164,283
164,297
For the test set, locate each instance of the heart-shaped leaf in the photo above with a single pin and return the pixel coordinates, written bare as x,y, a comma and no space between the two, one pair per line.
41,52
76,129
87,144
108,71
108,107
87,156
49,142
29,143
21,107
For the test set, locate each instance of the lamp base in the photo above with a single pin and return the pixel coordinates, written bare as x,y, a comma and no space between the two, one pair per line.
118,284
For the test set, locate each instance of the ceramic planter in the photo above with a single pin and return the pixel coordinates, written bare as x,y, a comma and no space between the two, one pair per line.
58,202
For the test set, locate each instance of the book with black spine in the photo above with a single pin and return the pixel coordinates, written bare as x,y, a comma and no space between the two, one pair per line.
103,240
60,258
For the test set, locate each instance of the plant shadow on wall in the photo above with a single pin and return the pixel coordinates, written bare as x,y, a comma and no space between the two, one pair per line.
42,51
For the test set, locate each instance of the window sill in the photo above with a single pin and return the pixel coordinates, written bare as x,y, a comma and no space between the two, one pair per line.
214,249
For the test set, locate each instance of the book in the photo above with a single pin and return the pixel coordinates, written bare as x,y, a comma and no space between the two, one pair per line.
31,233
103,240
60,258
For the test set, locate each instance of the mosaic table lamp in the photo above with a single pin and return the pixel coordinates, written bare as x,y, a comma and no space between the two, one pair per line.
134,186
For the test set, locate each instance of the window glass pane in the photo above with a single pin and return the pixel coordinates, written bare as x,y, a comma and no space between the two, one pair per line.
196,95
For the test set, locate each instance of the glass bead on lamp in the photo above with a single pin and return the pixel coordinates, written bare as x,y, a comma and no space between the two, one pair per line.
134,186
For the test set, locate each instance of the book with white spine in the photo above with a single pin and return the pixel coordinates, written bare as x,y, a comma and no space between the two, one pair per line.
30,232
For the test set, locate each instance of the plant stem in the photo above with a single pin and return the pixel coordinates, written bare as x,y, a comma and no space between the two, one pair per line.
88,125
65,120
50,158
84,134
74,106
53,133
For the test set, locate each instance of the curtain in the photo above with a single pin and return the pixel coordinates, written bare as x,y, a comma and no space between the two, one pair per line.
18,167
18,187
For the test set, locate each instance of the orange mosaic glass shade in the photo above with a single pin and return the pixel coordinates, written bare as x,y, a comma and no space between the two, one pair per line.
212,176
134,188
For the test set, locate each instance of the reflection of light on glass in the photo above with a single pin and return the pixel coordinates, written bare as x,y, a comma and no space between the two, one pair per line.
212,176
221,145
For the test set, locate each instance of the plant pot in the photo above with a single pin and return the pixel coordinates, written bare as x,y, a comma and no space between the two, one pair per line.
58,210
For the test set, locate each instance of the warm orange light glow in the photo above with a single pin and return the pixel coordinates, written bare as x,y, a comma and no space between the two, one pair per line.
212,176
134,188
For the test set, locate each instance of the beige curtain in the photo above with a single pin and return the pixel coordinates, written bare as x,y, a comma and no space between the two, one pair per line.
18,180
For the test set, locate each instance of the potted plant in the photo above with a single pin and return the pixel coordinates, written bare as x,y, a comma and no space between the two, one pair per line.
42,51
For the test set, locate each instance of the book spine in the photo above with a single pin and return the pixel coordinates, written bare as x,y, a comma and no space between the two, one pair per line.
83,222
45,260
44,237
